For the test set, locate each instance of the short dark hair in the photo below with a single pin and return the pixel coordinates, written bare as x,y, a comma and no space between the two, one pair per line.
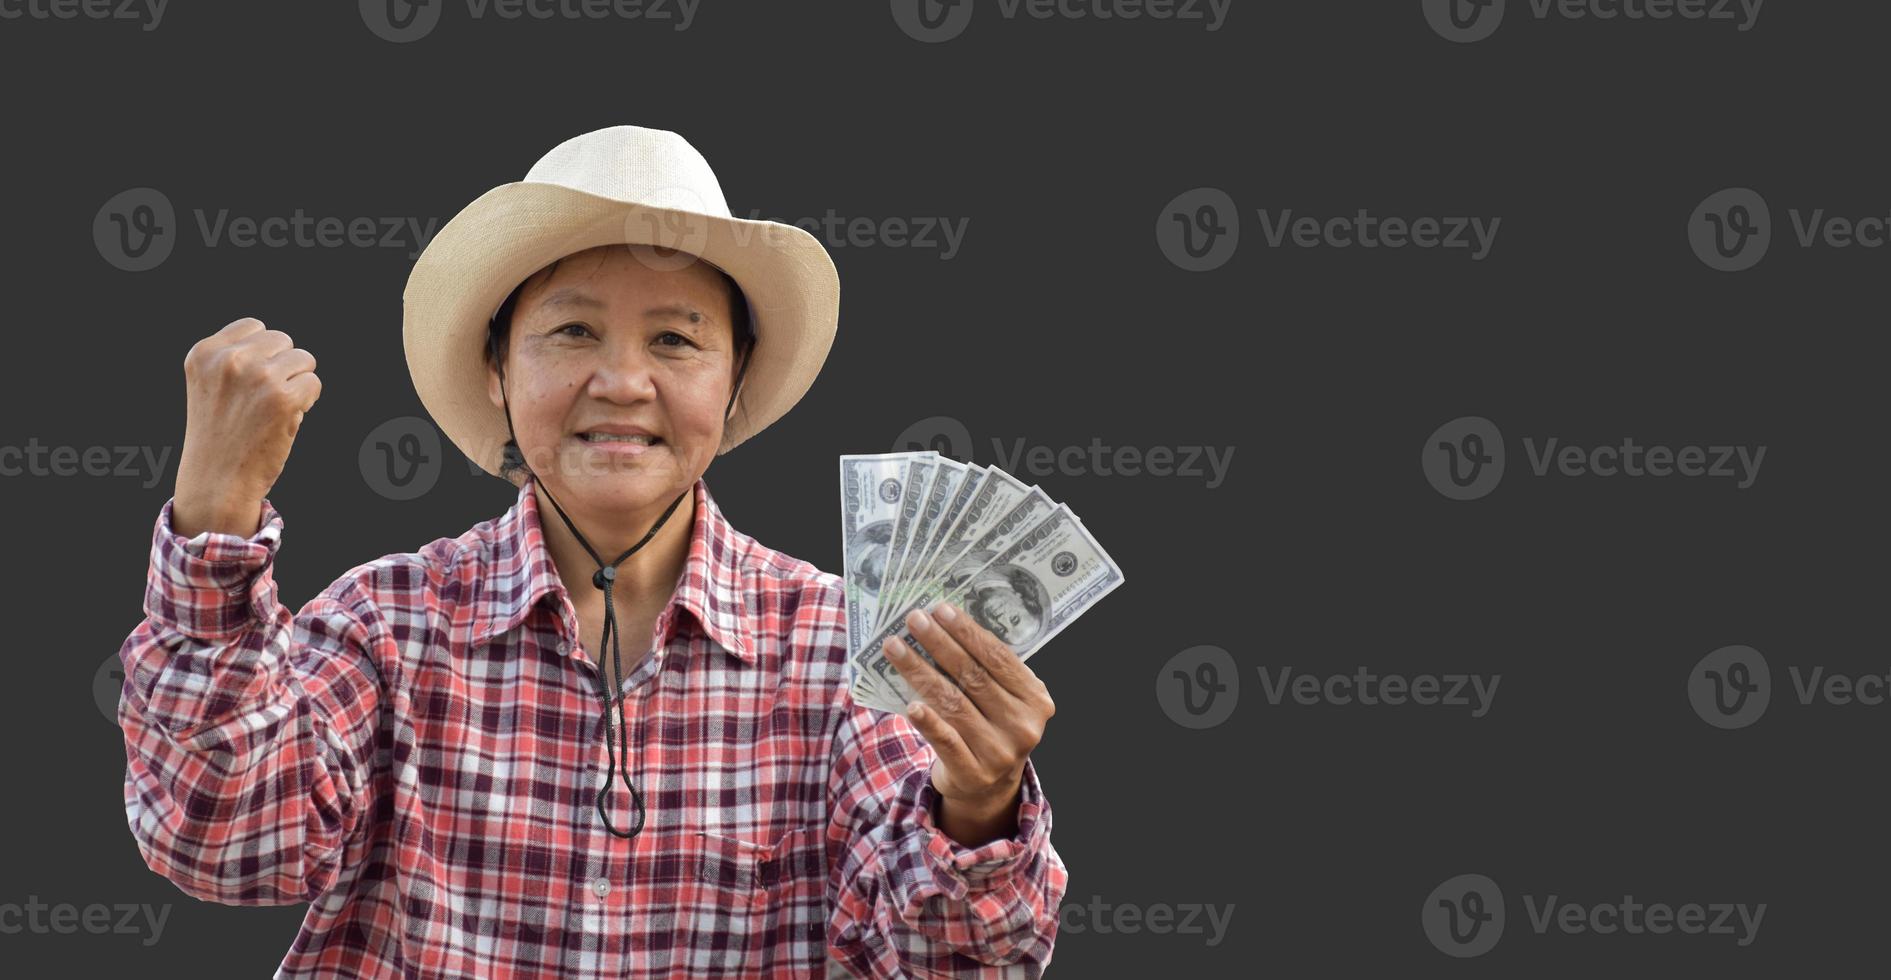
499,333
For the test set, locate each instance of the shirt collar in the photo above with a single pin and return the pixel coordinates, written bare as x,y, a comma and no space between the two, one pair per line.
710,587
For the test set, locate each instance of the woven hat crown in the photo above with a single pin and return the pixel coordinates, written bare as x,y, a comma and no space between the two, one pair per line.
630,163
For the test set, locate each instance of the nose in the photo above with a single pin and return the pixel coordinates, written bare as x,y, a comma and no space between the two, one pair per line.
625,372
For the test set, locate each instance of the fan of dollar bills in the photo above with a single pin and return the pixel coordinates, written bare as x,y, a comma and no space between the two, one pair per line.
917,528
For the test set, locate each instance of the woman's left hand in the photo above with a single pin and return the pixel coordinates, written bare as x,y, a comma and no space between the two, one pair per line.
983,728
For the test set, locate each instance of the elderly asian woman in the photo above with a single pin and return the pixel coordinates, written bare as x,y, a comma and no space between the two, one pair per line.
615,743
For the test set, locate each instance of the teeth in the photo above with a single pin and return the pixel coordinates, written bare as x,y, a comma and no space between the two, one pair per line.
612,437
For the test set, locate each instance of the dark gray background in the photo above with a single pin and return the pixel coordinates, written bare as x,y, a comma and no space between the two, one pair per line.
1060,320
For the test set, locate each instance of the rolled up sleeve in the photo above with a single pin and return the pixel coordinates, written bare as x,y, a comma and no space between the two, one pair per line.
910,900
250,734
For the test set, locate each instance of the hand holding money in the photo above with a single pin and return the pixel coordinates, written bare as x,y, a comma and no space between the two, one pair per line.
982,711
919,529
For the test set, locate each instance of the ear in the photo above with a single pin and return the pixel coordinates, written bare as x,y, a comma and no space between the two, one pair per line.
735,396
493,392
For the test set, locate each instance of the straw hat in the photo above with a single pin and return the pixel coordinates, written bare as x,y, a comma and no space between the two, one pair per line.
620,185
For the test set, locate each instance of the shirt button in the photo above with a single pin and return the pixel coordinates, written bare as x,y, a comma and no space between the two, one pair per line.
602,886
564,646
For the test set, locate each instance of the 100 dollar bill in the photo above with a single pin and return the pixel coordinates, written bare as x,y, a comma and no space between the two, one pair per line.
870,491
938,494
996,500
1025,595
1000,529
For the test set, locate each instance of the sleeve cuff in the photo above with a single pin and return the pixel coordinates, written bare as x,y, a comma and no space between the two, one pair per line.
964,870
214,585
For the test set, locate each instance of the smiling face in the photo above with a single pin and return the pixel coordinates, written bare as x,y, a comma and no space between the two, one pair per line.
619,363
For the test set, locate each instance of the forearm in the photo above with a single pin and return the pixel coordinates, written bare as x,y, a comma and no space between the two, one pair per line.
973,822
192,516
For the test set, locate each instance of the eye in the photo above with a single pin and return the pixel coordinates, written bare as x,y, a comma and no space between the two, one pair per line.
568,326
664,338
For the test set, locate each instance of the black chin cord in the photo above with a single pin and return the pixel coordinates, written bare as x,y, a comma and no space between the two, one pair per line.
604,578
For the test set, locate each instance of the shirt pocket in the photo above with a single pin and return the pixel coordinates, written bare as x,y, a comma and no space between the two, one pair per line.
760,905
729,870
723,899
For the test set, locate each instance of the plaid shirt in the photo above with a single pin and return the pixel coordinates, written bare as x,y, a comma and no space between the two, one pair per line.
416,754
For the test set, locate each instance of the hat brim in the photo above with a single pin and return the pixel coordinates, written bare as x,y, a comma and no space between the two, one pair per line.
513,230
